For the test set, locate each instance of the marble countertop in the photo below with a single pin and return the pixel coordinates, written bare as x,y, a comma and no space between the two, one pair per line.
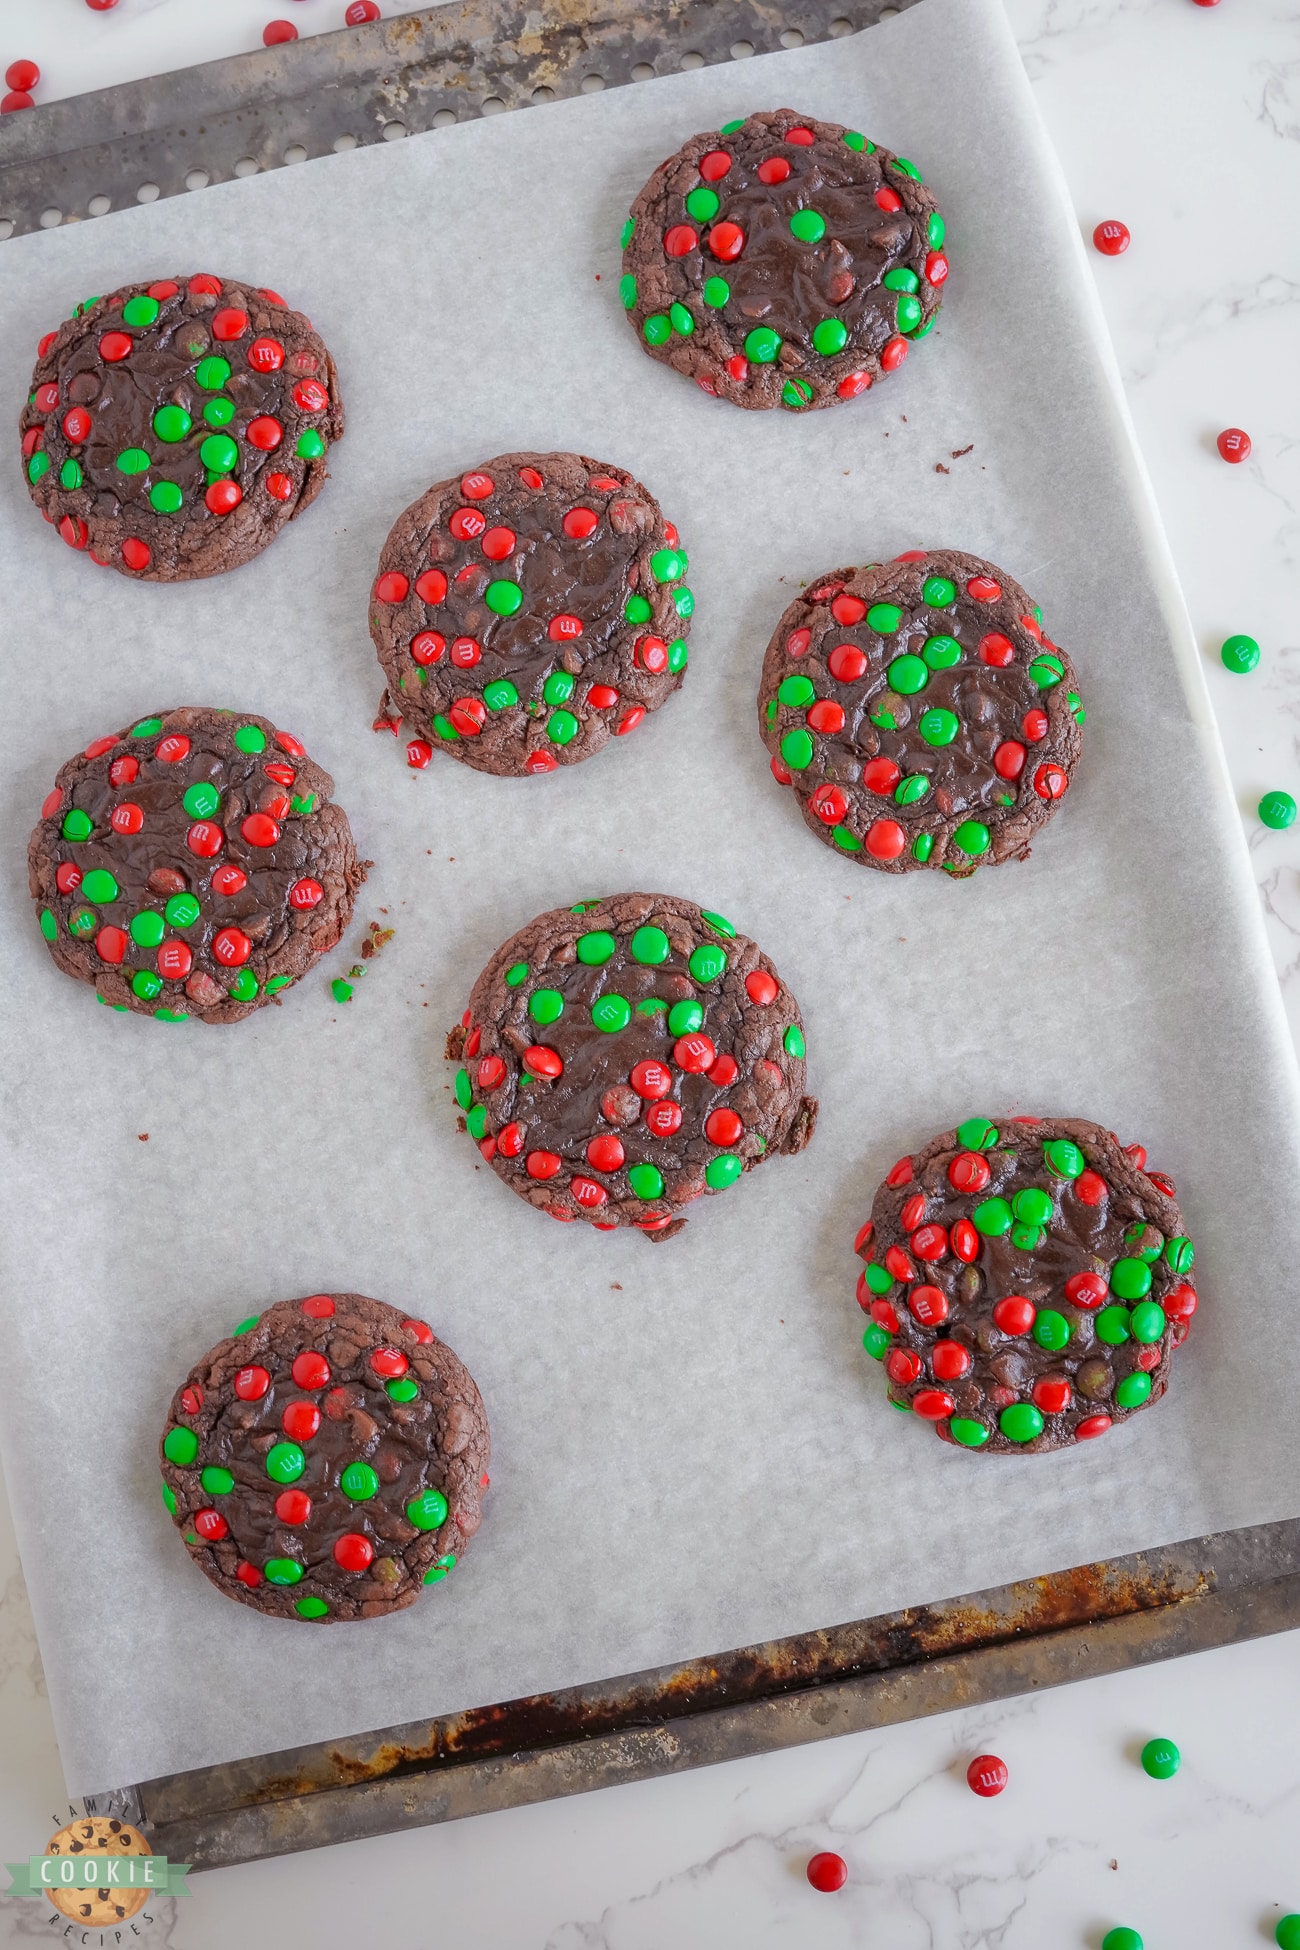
1183,121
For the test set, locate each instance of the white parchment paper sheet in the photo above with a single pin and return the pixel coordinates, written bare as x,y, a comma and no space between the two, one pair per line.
691,1449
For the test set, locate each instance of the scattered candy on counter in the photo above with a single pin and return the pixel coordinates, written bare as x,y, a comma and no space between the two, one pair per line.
100,6
1123,1938
987,1775
1161,1759
20,78
1234,445
1240,653
1111,237
1288,1933
376,939
1277,809
276,31
829,1872
360,12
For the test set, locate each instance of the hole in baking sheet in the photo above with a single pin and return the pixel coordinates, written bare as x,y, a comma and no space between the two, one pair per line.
344,142
741,50
445,118
247,166
198,179
643,72
148,193
493,105
591,84
792,38
7,227
841,27
295,153
99,206
393,131
51,219
691,61
543,94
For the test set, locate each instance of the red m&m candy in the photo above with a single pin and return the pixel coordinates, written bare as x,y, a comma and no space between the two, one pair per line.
1111,237
987,1775
1234,445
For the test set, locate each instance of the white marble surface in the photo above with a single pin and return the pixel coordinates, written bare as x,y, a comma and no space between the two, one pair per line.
1185,122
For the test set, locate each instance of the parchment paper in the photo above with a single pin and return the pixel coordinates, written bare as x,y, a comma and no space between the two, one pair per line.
691,1449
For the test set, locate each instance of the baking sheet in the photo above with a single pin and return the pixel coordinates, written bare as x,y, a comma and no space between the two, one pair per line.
691,1450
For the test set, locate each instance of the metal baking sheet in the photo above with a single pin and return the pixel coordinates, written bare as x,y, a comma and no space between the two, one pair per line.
1097,1618
691,1450
184,132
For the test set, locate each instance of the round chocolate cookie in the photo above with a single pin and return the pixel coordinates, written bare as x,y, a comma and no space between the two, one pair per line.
327,1460
529,610
627,1055
174,427
920,713
104,1836
1027,1282
192,864
781,261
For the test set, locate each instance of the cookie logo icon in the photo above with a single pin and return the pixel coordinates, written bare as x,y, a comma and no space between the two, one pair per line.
109,1902
98,1871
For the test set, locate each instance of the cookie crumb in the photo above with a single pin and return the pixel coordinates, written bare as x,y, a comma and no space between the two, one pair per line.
616,1286
939,468
957,452
143,1136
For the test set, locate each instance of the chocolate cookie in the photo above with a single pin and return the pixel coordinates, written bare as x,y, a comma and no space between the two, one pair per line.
327,1460
920,713
192,864
781,261
99,1835
627,1055
173,428
1027,1282
529,610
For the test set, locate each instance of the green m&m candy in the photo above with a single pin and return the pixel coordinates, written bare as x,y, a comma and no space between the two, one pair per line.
708,962
1240,654
428,1510
180,1446
650,946
809,226
722,1171
992,1217
1063,1158
830,337
877,1340
627,290
1161,1759
285,1462
972,836
977,1134
762,345
171,423
282,1570
1033,1206
311,1606
685,1017
716,293
1121,1938
1130,1279
544,1005
940,726
77,825
1288,1932
99,886
1277,809
970,1434
657,329
1133,1390
646,1181
1022,1422
358,1482
611,1014
596,948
